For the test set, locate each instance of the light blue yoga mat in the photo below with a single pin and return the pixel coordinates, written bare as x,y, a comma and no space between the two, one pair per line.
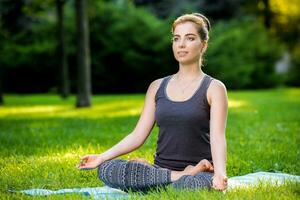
105,192
253,179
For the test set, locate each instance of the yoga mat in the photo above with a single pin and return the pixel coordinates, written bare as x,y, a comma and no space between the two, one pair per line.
105,192
254,179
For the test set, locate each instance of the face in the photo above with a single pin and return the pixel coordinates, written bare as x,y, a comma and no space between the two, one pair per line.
187,44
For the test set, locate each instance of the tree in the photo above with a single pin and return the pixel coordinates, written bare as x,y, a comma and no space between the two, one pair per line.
64,72
267,13
83,55
214,9
1,92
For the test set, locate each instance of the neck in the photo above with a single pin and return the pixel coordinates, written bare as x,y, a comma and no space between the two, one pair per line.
189,71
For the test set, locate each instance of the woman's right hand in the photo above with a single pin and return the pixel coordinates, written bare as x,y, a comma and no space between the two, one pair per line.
90,161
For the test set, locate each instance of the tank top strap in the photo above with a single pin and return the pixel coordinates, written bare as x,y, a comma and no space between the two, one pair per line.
201,92
206,82
160,91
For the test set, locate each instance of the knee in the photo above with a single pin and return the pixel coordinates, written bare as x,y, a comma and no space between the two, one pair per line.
206,178
108,170
200,181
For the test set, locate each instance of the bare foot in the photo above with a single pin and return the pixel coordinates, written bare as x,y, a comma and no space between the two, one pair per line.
203,166
140,160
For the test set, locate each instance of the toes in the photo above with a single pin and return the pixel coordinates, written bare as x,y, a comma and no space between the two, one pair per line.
189,167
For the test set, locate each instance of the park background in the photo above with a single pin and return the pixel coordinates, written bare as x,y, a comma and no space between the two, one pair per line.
57,56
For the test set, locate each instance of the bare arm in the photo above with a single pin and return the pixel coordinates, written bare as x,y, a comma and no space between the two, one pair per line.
218,118
133,140
142,130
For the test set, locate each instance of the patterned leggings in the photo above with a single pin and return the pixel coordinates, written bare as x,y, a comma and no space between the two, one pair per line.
134,176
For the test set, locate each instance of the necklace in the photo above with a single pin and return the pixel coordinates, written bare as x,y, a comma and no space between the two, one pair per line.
185,87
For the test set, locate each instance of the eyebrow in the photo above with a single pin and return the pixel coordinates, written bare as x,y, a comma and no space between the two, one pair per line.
185,35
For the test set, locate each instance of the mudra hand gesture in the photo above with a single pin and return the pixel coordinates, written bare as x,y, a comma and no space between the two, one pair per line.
90,161
220,182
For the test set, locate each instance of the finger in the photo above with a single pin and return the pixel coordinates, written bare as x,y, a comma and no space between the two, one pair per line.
80,165
217,186
214,186
85,167
85,157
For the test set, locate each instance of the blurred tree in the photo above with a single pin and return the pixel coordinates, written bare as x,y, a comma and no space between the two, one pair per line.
214,9
267,13
64,72
28,41
285,26
13,18
1,92
1,98
130,43
1,66
83,55
280,17
128,52
241,53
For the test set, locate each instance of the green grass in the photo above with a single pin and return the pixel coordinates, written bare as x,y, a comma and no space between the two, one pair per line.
42,138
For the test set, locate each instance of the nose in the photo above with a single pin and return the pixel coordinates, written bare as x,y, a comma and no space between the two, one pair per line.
181,44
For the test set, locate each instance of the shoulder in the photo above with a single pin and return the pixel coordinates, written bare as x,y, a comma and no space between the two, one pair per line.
217,85
216,90
154,85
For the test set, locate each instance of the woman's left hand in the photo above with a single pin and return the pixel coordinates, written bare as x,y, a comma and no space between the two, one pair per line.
219,182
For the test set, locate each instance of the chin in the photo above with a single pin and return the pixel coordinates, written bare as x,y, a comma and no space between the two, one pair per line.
185,61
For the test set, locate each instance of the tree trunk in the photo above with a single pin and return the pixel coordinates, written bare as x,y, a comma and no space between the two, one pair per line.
64,86
83,55
1,94
267,14
1,88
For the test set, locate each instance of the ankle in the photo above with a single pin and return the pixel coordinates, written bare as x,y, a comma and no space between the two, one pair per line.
175,175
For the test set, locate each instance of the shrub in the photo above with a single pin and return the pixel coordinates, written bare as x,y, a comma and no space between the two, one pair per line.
130,45
293,76
242,54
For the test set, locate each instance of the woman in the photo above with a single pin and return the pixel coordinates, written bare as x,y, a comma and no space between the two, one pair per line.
190,109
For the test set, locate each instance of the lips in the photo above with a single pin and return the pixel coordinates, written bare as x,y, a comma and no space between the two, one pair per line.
182,53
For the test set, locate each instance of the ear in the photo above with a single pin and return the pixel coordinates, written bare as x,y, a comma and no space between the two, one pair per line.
204,46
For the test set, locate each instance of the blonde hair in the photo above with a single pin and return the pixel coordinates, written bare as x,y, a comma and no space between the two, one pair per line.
202,25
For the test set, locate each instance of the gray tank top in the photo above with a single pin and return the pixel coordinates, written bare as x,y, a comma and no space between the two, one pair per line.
183,128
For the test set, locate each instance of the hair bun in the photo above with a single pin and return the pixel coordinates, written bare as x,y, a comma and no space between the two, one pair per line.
204,18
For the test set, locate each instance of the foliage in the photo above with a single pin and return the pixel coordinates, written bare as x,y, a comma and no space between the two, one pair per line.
293,76
128,44
130,47
43,137
28,48
242,54
216,9
285,21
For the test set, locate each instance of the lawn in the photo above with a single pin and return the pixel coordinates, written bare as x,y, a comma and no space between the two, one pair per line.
43,137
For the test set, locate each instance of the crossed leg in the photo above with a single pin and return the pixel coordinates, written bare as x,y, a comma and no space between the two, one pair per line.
139,175
203,166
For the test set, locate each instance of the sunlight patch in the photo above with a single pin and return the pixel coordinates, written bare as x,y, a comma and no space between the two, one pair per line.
121,108
236,103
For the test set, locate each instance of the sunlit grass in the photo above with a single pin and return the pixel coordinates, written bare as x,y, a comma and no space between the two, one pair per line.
102,110
113,108
42,138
